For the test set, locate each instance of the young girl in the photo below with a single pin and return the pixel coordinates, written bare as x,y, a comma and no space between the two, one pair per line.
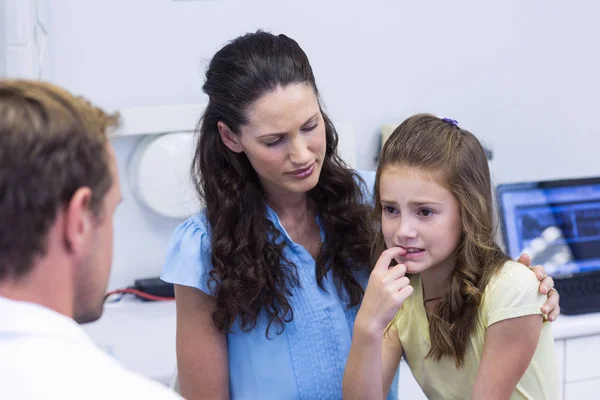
465,317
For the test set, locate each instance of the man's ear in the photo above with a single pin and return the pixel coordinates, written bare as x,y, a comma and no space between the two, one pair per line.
79,221
230,139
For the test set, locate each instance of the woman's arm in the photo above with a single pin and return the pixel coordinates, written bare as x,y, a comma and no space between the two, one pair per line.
551,308
202,363
507,351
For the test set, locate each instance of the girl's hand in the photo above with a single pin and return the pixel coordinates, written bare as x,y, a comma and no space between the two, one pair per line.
387,290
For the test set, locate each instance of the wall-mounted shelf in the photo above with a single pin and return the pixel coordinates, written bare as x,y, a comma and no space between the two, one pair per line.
155,120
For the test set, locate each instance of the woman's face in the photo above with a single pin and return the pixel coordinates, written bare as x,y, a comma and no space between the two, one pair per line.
285,139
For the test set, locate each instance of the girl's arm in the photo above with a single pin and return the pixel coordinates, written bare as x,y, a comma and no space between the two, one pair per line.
372,364
373,358
507,351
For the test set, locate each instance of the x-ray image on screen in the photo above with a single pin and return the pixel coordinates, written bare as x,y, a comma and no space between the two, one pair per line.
559,228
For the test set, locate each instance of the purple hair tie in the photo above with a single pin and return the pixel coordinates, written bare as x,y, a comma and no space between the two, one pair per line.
450,121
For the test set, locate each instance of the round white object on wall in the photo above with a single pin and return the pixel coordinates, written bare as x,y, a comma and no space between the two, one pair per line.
159,174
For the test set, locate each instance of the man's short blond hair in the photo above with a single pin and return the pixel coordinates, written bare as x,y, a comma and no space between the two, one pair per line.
51,144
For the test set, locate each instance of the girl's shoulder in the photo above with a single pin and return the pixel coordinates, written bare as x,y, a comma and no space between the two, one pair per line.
512,292
512,276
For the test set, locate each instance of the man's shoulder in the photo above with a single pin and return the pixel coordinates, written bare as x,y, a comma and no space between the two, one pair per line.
68,371
102,369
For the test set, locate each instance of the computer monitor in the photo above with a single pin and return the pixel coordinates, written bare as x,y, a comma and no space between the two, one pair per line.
556,222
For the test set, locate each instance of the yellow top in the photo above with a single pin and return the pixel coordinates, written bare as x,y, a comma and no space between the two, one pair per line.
512,293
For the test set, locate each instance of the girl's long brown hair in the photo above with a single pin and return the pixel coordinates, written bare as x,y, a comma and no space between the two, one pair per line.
426,142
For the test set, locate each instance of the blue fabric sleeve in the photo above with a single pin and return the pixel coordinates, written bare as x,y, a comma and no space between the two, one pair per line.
188,256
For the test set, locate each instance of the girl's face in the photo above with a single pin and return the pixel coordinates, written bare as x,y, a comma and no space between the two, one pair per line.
421,215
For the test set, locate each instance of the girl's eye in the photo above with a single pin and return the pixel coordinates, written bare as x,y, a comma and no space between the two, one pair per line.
389,210
425,212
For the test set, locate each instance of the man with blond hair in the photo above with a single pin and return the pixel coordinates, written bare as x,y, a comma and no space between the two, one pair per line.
59,189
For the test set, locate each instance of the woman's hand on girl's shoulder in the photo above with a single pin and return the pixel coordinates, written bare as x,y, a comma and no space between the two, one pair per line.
551,308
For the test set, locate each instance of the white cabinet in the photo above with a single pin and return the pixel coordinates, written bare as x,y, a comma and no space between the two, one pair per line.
586,390
582,368
582,359
140,335
559,346
408,388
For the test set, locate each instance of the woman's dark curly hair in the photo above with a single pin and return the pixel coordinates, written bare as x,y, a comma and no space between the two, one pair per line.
250,273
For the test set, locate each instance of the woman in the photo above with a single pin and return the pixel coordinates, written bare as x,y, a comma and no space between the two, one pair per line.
268,278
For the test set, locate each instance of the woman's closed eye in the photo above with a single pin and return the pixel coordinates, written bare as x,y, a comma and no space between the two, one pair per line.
280,139
274,142
310,128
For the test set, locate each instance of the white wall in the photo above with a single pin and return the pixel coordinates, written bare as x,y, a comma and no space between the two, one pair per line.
23,37
2,41
522,75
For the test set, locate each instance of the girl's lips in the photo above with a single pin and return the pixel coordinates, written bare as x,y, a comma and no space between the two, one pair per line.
413,253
